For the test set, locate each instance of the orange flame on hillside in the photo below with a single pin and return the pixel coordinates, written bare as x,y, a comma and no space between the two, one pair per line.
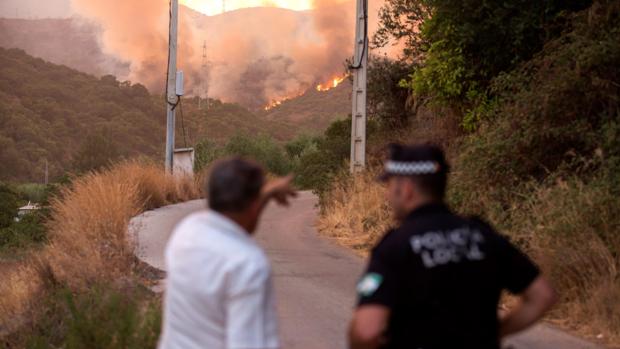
331,84
277,102
274,104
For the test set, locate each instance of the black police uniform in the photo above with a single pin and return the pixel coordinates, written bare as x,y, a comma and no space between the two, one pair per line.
441,276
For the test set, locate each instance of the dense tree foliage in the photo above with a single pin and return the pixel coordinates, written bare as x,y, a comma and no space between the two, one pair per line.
49,112
389,103
462,45
9,203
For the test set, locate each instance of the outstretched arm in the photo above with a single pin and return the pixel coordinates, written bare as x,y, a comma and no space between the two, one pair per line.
537,299
280,189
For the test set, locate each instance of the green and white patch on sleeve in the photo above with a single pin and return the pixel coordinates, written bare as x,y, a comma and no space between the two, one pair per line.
369,284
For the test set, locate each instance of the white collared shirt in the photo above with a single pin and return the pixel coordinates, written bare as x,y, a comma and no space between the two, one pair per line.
219,291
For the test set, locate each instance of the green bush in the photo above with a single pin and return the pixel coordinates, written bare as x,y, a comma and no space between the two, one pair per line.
28,232
261,148
389,101
9,203
206,151
558,113
104,317
33,192
463,45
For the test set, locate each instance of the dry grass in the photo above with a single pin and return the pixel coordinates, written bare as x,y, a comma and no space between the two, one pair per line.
355,213
571,228
88,233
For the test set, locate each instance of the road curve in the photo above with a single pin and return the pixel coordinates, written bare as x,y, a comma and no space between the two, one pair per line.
314,278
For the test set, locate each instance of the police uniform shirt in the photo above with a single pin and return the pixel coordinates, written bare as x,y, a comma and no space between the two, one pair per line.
219,290
441,276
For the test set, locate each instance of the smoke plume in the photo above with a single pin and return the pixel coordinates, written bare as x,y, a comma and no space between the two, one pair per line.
254,55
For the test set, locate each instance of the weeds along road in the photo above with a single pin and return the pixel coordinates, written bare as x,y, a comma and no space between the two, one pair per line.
314,278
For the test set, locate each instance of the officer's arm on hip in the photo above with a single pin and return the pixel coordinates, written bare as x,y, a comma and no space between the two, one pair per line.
523,278
368,326
376,293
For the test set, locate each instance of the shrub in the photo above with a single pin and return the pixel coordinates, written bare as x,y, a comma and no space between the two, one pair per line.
317,166
33,192
29,231
261,148
206,151
558,112
8,205
106,316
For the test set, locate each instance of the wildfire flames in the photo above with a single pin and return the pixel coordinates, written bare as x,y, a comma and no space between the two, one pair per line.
274,104
321,88
331,84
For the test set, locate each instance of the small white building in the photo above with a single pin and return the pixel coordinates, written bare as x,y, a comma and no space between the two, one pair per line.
24,210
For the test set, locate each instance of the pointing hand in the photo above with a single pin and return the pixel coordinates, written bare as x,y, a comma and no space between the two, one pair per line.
280,189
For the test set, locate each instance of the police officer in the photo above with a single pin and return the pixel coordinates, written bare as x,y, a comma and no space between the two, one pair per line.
435,281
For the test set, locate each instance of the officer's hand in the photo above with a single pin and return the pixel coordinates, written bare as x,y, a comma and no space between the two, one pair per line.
280,189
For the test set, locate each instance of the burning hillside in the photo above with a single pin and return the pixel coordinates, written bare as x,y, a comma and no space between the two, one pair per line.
254,55
334,82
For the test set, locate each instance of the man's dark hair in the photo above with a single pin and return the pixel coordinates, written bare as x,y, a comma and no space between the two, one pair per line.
234,184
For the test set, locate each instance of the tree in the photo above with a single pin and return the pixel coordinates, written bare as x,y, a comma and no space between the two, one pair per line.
463,45
97,151
9,204
387,99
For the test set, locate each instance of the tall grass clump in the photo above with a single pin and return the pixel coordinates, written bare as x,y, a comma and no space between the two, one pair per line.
355,212
572,229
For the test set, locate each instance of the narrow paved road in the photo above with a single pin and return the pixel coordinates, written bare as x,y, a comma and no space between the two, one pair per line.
314,278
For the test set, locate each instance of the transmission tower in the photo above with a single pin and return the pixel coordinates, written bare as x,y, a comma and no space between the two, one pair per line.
203,93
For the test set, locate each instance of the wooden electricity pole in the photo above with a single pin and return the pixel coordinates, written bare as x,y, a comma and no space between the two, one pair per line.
171,95
359,70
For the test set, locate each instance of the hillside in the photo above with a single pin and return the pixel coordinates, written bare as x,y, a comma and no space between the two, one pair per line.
314,110
49,111
221,120
75,120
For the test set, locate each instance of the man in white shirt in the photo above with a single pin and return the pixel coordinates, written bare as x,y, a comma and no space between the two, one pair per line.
219,290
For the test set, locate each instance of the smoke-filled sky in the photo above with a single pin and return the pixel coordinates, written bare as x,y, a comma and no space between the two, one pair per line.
35,8
213,7
254,55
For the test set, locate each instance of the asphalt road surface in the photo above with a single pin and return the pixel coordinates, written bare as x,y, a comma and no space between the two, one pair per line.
314,278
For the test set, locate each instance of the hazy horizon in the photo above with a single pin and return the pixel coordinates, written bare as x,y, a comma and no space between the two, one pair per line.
35,9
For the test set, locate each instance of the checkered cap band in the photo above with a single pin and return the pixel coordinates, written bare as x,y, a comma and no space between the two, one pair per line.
411,167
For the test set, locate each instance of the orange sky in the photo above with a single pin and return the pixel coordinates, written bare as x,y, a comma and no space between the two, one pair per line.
213,7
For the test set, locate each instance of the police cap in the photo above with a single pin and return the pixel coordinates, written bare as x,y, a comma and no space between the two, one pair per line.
414,160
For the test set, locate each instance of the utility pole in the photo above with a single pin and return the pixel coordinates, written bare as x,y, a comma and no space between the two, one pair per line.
359,70
171,95
223,6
